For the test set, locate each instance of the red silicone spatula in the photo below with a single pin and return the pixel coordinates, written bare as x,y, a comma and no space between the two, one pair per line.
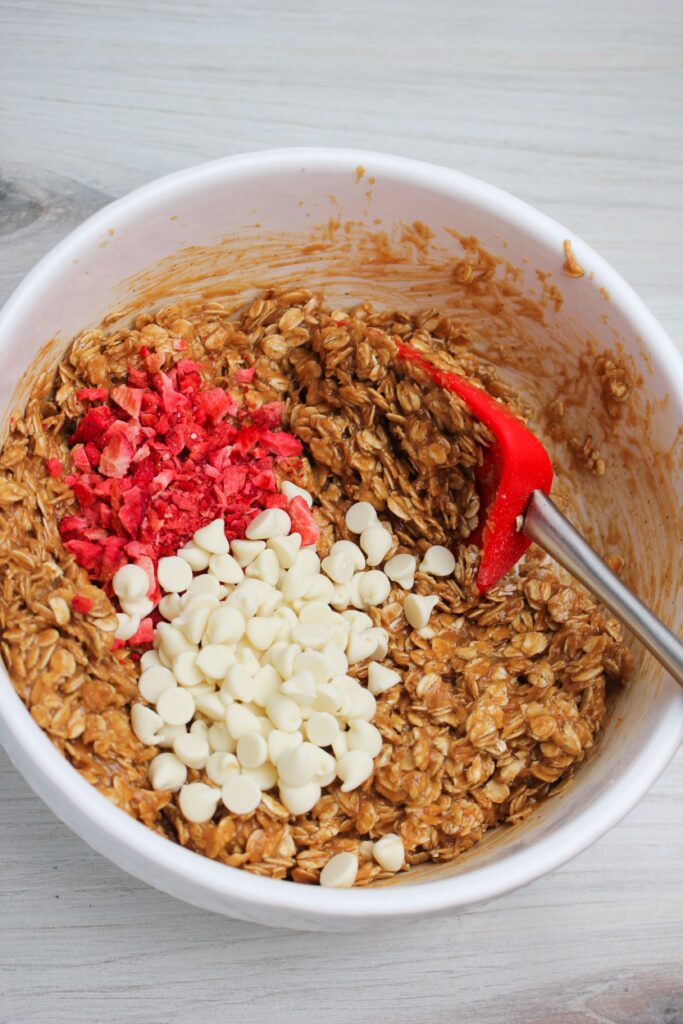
514,483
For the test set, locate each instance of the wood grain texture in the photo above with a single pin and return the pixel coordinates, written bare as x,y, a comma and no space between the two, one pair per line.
577,109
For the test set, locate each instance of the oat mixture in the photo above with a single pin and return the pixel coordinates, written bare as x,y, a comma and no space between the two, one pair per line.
501,695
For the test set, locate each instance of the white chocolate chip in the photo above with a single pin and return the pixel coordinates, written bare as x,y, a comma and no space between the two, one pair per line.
338,567
212,538
313,662
310,636
339,745
172,641
282,656
192,750
328,697
296,582
252,750
168,734
286,549
211,705
245,551
353,768
214,660
148,660
341,595
300,687
337,662
154,681
226,569
300,799
297,765
128,625
284,713
167,772
359,703
197,558
381,638
389,852
309,560
272,522
360,516
175,706
220,739
401,569
360,647
221,765
170,606
225,625
193,619
240,720
279,741
349,550
358,621
146,723
174,574
340,871
291,490
130,582
321,589
265,776
374,588
266,683
262,631
381,678
364,736
376,542
239,684
417,609
198,802
438,561
322,728
265,567
203,586
241,794
141,607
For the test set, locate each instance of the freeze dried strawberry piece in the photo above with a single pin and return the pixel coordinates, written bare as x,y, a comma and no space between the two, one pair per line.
93,453
245,376
276,500
82,604
113,557
72,526
92,395
213,405
80,458
129,399
153,591
132,510
54,467
282,444
85,495
268,416
144,635
93,425
116,457
87,553
303,521
137,378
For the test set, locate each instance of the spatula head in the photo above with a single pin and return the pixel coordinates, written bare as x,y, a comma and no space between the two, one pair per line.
513,466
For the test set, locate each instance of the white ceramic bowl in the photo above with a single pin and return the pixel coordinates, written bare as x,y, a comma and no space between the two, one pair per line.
264,206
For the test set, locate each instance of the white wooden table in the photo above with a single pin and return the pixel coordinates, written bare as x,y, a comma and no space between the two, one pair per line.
578,109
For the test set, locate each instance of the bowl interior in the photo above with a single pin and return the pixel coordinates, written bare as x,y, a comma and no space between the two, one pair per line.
403,235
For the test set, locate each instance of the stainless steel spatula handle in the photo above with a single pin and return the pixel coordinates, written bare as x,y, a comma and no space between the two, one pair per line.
547,527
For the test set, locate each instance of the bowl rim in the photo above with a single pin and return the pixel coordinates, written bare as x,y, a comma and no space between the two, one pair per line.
197,874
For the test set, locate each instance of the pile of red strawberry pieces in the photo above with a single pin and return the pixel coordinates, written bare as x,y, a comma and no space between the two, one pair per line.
161,456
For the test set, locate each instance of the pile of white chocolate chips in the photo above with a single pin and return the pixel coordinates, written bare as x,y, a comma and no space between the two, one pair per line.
248,679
